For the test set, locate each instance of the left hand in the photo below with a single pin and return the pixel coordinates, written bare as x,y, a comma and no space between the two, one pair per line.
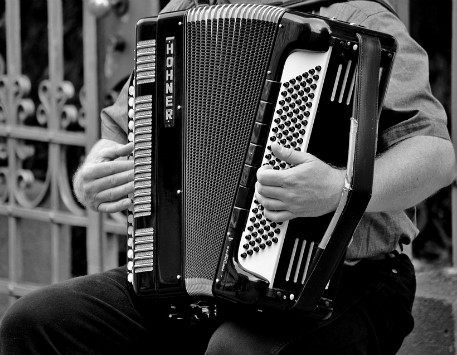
311,188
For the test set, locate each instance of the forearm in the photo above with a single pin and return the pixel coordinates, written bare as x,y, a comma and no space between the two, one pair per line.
410,172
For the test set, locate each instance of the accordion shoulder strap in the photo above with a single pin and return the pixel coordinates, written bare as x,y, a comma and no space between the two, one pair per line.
359,177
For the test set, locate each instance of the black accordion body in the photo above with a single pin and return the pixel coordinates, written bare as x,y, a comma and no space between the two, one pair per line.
213,87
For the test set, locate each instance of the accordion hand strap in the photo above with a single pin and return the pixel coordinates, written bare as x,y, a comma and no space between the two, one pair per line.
359,178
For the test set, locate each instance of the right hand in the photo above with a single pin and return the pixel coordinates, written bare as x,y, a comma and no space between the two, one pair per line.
105,179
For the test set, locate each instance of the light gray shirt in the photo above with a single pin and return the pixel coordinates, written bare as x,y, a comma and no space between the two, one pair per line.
409,110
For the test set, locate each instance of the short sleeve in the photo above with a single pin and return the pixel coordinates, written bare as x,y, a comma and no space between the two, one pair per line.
409,108
114,119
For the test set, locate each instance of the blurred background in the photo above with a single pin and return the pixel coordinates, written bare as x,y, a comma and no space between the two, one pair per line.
61,61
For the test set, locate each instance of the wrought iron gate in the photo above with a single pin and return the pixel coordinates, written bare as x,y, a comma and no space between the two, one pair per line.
47,123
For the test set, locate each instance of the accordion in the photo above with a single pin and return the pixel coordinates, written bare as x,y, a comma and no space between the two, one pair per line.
213,86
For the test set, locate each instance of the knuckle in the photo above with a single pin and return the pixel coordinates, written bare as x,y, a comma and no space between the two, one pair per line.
267,204
105,151
89,192
271,215
113,180
110,169
94,198
287,153
289,179
81,174
109,195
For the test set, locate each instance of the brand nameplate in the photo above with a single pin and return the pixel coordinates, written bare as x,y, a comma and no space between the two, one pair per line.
169,92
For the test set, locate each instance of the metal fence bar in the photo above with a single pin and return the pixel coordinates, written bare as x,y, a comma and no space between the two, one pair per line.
13,69
92,87
454,127
53,206
55,43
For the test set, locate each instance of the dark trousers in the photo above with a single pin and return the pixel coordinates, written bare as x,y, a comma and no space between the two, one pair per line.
99,314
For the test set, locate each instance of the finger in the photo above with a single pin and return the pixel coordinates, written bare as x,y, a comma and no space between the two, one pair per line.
278,216
111,181
124,150
118,151
271,204
115,193
289,155
266,191
266,175
108,168
116,206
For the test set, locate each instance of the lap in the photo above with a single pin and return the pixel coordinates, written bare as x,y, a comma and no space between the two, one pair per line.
372,316
100,314
96,314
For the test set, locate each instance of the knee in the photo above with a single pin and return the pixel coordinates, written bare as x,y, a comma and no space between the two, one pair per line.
20,317
16,325
242,338
29,315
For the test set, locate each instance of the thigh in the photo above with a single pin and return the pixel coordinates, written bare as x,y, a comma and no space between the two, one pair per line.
372,316
268,334
96,314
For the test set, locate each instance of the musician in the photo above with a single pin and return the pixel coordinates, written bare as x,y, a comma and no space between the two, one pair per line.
100,314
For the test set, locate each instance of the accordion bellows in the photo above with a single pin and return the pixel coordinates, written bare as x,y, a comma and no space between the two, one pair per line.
213,87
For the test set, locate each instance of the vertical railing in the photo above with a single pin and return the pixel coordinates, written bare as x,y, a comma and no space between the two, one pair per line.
37,119
92,87
13,69
454,127
53,203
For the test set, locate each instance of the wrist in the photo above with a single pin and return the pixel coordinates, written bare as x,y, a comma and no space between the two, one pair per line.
339,183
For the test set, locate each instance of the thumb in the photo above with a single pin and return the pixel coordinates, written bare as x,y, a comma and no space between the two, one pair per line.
289,155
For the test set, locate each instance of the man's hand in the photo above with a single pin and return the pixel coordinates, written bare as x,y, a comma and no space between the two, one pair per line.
104,181
311,188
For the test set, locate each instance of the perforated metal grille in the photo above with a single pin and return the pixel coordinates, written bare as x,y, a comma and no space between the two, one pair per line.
226,68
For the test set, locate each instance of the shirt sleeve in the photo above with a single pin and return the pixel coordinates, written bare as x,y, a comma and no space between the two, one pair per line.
177,5
114,119
409,108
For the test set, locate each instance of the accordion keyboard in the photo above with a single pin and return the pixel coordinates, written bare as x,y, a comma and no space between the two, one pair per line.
296,107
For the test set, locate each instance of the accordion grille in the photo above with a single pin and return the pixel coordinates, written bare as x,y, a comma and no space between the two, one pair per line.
227,59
